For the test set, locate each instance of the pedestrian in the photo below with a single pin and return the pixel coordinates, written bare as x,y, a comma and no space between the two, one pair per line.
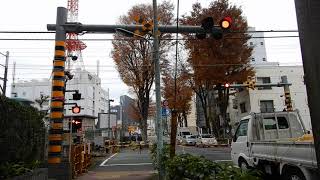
140,147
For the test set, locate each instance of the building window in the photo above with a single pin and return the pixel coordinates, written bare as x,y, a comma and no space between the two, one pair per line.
243,108
252,59
24,94
264,80
266,106
261,43
264,59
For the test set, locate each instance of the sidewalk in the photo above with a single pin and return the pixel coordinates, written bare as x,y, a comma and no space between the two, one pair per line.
119,175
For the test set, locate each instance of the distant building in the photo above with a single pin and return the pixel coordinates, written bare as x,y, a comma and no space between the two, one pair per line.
126,117
270,99
94,97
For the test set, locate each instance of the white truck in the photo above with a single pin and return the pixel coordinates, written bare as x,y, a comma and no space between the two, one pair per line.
276,143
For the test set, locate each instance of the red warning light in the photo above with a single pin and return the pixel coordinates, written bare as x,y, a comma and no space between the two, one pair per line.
225,23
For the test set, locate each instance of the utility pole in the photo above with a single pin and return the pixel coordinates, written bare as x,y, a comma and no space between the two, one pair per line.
5,77
308,17
109,118
158,94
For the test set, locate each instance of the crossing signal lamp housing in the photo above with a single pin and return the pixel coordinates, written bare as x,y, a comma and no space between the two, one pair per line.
76,109
76,96
225,23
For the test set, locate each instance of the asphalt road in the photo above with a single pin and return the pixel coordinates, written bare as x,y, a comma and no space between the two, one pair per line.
126,165
136,165
212,153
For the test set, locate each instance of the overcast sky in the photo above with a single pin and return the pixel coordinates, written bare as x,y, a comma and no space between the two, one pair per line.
34,58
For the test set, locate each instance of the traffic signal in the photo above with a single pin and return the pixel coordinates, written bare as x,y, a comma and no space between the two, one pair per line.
76,125
226,85
76,109
208,26
225,23
76,96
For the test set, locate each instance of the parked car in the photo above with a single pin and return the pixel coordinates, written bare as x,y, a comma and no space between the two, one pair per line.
189,140
206,140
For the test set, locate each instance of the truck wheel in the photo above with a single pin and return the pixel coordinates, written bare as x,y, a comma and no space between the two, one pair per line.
293,174
243,165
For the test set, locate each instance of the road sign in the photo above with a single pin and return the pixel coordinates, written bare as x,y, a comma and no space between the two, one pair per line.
165,111
165,103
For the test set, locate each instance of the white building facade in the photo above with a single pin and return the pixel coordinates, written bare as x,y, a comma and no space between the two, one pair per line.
94,99
270,99
264,99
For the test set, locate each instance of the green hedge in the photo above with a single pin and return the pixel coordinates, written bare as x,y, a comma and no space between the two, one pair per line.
189,167
22,135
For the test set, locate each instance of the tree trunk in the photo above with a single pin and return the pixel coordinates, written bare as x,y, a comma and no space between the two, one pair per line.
185,119
144,113
173,135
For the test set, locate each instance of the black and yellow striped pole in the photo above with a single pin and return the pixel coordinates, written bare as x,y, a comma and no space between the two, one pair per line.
287,94
58,168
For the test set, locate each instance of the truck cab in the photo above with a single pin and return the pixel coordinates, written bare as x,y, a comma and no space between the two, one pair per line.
276,142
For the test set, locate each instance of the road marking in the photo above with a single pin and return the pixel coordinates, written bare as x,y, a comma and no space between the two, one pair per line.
105,161
136,164
222,160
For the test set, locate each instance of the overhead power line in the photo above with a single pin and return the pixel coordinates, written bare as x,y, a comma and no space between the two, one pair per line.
126,39
52,32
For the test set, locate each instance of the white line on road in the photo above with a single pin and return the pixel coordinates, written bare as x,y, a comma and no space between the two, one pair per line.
105,161
136,164
222,161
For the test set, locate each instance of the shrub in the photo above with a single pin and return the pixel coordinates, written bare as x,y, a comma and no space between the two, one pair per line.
186,166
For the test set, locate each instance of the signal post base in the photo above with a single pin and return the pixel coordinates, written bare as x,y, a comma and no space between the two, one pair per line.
61,171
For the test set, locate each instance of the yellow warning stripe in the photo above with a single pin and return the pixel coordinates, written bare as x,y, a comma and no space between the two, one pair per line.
57,93
57,83
60,43
55,137
59,63
55,115
54,160
56,125
55,148
56,104
59,53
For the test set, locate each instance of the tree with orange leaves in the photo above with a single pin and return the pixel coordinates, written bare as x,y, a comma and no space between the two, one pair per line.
178,93
133,56
215,62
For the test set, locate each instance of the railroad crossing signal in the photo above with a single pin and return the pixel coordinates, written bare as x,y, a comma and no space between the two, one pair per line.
147,26
250,84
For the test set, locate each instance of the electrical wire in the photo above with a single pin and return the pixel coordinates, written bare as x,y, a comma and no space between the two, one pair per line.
126,39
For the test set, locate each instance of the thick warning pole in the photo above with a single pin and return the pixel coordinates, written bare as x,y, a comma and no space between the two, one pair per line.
58,168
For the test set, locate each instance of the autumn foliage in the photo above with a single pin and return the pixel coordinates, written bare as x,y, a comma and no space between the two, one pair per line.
133,56
215,62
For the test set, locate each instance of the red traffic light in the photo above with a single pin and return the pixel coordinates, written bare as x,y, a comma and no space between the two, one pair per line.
76,109
225,23
226,85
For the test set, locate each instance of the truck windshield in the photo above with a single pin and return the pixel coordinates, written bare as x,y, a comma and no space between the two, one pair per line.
242,129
